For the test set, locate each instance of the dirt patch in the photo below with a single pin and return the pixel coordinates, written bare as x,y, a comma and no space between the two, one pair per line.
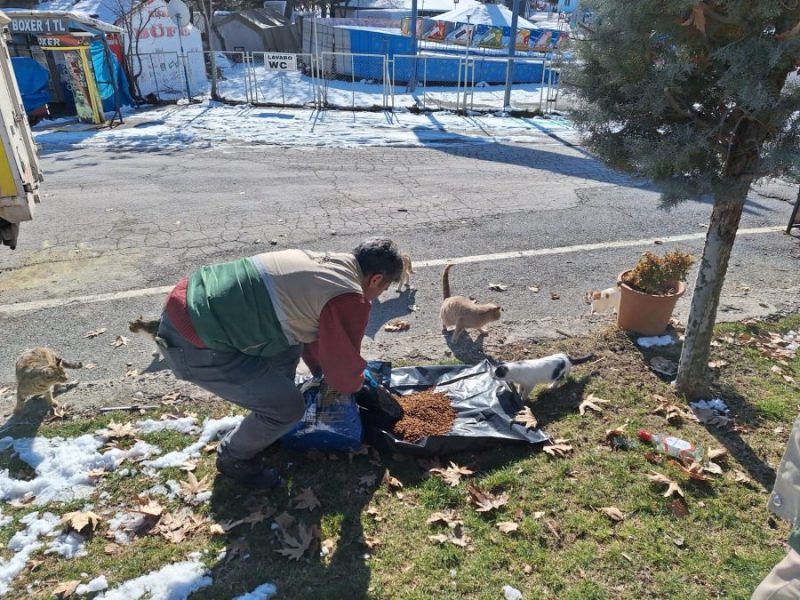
66,273
424,414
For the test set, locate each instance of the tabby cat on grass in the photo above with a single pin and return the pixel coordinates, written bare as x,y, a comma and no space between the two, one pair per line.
462,313
37,371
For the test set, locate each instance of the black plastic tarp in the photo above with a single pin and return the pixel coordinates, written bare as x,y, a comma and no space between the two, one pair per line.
485,410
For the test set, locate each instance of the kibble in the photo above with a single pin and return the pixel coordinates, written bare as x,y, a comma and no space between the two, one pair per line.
425,413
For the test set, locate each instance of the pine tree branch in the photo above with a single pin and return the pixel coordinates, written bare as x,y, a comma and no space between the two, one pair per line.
684,111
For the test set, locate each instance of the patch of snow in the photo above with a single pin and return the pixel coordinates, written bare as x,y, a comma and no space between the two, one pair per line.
172,582
212,428
217,125
511,593
658,340
62,466
68,545
262,592
123,526
98,584
181,425
24,543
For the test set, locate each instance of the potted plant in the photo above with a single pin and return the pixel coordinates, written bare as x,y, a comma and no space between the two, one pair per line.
649,291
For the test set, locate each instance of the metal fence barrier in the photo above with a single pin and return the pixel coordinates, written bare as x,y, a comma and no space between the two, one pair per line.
344,80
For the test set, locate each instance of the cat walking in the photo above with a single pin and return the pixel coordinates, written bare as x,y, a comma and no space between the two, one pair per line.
37,371
405,276
604,301
462,313
550,370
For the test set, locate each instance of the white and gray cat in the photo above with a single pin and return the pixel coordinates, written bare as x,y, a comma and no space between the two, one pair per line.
462,313
37,371
603,301
549,370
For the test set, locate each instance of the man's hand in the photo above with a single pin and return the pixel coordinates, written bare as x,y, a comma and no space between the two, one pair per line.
369,377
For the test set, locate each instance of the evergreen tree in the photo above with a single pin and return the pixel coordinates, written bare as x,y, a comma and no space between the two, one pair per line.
693,95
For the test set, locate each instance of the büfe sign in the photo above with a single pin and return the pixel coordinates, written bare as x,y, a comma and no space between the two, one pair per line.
274,61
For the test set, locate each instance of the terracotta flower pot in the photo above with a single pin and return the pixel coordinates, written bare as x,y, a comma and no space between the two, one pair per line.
645,314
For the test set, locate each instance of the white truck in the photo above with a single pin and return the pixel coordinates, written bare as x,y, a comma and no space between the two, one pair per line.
19,157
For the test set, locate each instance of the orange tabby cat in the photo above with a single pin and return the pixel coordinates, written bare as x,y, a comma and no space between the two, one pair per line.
38,370
408,270
462,313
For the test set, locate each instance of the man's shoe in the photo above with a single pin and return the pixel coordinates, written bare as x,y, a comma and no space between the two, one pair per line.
250,473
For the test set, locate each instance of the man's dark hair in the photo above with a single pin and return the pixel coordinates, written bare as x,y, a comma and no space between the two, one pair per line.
379,256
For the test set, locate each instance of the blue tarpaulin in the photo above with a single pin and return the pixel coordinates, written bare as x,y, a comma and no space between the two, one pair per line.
103,76
32,81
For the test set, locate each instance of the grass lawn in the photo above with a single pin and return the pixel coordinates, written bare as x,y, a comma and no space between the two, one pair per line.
554,532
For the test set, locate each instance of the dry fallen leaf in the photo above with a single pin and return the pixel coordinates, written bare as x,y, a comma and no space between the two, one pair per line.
526,418
236,549
717,364
295,546
694,471
120,340
328,546
112,548
740,477
558,448
507,526
712,467
717,453
439,538
498,287
78,521
452,474
397,325
306,500
65,589
192,486
613,513
95,332
448,517
369,541
592,402
117,430
148,506
672,487
486,501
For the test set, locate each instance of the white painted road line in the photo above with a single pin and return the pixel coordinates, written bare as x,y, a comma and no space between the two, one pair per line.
10,309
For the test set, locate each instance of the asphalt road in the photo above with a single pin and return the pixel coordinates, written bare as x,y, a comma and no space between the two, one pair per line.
131,223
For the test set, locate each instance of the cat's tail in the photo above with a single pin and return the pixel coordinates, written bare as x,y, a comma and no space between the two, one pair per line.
579,360
146,326
70,365
446,281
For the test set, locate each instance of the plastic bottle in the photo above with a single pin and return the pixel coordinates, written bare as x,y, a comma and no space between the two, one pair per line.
674,446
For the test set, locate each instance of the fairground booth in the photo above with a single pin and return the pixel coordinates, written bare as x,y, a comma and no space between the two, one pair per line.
69,62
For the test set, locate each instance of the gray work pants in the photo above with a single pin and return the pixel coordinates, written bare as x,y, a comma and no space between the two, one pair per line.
264,386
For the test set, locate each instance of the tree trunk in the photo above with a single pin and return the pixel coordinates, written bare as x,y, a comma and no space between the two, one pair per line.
212,57
692,380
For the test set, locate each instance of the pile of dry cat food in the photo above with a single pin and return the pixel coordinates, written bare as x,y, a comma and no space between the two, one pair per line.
424,413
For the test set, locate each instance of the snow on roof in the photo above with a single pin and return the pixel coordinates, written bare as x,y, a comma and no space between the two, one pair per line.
109,11
422,5
484,14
